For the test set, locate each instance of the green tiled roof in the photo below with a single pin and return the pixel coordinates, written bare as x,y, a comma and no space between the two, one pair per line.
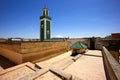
78,45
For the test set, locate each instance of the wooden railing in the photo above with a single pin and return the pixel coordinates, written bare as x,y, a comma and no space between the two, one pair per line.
112,67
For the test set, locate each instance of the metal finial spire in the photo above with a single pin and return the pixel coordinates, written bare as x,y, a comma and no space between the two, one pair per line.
44,3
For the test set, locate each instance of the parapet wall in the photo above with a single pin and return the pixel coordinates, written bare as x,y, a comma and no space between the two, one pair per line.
29,47
112,67
13,46
20,52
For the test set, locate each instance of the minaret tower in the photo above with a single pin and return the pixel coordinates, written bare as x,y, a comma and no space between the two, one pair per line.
45,25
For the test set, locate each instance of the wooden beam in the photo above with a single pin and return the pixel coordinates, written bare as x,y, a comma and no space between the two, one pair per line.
61,73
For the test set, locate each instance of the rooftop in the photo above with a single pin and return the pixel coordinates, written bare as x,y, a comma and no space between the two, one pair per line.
85,66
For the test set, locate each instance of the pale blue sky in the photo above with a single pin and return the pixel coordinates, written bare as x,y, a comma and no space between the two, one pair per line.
73,18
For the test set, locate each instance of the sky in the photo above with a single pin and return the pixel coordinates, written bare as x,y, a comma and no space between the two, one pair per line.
70,18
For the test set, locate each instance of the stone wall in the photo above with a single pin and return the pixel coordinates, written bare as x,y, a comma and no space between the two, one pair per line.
113,47
20,52
30,47
112,67
13,46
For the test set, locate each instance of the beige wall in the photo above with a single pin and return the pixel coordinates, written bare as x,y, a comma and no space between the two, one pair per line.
28,51
13,46
11,55
29,47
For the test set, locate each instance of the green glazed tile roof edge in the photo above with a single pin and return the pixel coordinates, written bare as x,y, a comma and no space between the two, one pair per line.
78,45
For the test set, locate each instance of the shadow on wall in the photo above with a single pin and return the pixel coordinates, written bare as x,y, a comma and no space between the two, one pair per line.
5,63
92,43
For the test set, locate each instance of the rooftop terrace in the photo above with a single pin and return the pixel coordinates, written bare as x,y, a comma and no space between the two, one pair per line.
88,66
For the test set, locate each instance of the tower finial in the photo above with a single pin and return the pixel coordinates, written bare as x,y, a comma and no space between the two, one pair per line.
45,4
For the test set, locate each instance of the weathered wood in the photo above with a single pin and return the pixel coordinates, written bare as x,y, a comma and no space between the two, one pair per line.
63,63
112,66
31,66
32,76
75,78
76,57
61,73
1,69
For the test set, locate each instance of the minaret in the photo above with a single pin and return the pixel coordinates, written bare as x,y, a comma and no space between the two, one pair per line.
45,25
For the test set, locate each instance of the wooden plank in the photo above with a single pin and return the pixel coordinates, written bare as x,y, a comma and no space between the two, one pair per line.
1,69
76,57
32,76
63,63
17,67
61,73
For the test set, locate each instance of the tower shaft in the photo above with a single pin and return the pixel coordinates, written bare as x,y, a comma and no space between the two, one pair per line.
45,26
